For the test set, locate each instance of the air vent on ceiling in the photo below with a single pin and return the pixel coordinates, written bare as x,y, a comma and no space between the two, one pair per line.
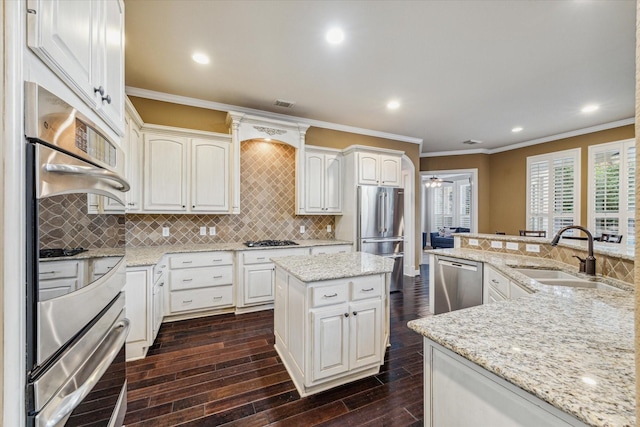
472,142
283,103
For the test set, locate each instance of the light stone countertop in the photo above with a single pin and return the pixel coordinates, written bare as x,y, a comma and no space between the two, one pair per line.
150,255
89,254
334,266
554,343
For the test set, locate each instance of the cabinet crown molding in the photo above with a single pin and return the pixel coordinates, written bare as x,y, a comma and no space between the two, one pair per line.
254,127
183,132
354,148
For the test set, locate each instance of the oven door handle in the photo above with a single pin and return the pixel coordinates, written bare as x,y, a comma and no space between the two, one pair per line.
89,171
71,394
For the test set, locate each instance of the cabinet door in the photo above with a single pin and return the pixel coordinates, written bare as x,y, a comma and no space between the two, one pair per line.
390,170
368,168
330,345
209,176
158,306
280,321
258,283
136,294
133,165
63,34
333,183
315,181
365,332
110,63
515,291
165,174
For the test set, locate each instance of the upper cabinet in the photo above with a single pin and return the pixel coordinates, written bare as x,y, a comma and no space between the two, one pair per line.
186,171
323,181
377,168
132,146
82,42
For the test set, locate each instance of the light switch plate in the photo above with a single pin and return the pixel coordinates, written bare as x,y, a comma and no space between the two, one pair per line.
473,242
212,231
165,232
496,245
203,231
302,229
328,228
533,248
512,246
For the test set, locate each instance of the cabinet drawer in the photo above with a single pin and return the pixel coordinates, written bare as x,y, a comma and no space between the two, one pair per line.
204,259
498,281
103,265
337,249
198,299
201,277
257,257
363,287
159,269
58,269
494,295
328,295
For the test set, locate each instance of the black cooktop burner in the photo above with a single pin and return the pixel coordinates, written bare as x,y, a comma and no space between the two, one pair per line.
55,253
261,243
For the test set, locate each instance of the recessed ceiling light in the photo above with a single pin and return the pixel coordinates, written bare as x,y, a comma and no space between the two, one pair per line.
200,58
516,129
335,36
393,105
590,108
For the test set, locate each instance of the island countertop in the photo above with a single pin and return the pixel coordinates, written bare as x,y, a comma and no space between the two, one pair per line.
573,349
333,266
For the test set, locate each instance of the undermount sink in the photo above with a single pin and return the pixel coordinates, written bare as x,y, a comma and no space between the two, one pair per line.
560,278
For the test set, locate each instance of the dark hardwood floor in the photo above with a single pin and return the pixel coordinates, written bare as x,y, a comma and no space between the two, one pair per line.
223,370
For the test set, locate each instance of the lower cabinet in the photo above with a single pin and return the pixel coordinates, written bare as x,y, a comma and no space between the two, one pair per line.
331,332
498,287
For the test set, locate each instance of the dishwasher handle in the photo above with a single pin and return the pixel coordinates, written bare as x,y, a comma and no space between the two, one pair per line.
458,265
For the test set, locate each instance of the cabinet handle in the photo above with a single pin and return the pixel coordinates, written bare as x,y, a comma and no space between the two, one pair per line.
331,296
184,206
187,280
187,301
217,297
193,206
107,98
346,315
217,277
217,260
187,262
367,290
161,284
494,281
99,90
355,313
261,257
163,266
48,272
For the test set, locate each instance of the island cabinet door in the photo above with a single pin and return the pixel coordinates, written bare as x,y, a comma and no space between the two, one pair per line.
330,341
365,332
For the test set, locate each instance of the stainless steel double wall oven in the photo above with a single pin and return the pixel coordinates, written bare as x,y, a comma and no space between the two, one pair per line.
76,328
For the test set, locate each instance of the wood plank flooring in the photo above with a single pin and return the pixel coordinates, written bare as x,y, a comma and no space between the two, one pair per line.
223,370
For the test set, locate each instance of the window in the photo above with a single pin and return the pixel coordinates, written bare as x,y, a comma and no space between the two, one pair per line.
553,191
452,204
612,202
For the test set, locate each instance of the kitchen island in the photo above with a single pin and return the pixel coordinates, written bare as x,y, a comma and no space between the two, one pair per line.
560,356
331,317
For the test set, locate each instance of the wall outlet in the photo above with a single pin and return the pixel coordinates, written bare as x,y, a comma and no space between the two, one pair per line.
329,228
533,248
474,242
496,245
512,246
212,231
302,229
165,232
203,231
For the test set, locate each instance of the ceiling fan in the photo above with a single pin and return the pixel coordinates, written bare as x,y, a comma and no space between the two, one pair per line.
434,181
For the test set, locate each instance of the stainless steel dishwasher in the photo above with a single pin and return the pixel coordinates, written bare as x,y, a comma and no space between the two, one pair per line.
458,284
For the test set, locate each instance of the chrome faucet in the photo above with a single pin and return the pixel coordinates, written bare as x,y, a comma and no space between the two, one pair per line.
590,261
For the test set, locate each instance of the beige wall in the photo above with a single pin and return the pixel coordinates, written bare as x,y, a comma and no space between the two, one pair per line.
502,177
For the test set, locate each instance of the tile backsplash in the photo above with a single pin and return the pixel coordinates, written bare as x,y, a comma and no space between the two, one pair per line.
267,203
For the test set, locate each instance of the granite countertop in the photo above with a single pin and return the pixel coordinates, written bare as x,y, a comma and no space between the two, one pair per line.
571,347
333,266
89,254
150,255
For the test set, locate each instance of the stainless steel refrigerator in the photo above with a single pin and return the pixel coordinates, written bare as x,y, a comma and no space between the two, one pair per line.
381,226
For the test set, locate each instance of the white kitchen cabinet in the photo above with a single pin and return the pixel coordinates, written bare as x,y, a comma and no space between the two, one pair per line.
199,283
497,287
82,42
331,249
330,332
138,309
183,174
378,169
133,160
165,173
57,278
157,303
256,277
323,181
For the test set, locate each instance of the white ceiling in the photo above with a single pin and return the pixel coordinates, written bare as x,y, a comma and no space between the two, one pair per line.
461,69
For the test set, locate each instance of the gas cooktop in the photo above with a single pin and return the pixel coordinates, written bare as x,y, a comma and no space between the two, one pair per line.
55,253
261,243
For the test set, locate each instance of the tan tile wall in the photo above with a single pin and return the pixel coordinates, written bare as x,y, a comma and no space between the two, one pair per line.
267,203
616,268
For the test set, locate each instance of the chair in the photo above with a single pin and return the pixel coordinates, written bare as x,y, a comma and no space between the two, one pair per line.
611,238
502,233
533,233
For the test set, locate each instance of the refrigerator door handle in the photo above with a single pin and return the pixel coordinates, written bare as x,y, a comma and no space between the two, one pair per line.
380,213
386,209
396,239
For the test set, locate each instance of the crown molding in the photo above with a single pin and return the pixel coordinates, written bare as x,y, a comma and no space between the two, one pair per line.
211,105
577,132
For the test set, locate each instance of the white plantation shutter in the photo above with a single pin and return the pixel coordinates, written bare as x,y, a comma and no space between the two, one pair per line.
451,205
553,189
612,189
464,205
